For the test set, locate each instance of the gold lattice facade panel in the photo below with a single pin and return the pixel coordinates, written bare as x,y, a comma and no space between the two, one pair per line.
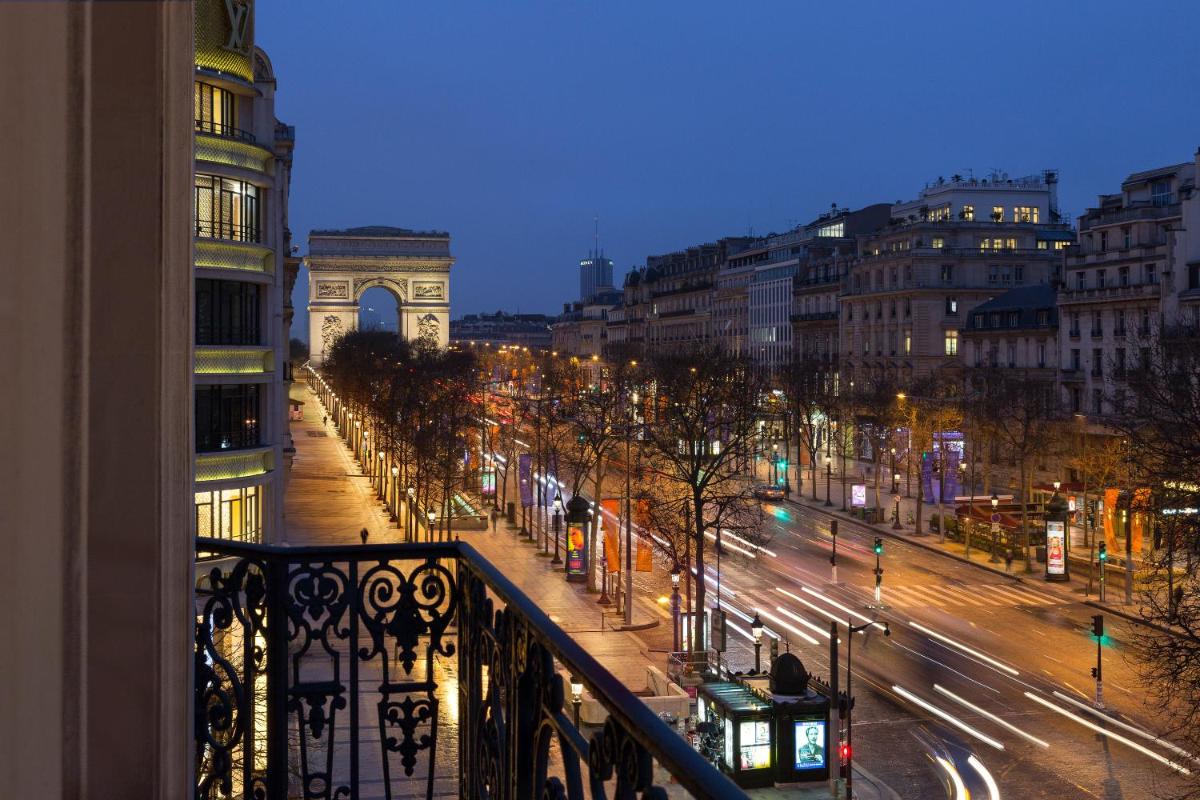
232,153
234,360
229,466
225,36
234,255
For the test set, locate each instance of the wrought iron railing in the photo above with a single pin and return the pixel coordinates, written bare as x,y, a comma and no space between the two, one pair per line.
346,672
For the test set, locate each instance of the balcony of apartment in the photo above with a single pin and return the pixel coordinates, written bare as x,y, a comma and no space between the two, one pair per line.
1072,374
228,146
814,316
1105,294
408,670
1132,212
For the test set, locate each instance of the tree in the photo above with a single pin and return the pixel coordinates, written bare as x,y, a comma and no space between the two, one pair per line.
934,408
879,412
1159,419
703,429
808,398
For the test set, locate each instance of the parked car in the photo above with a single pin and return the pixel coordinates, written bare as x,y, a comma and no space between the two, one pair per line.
768,491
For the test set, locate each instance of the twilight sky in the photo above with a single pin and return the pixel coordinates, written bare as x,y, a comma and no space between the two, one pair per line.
513,124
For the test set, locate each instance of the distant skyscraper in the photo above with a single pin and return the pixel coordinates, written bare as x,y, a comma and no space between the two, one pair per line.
595,275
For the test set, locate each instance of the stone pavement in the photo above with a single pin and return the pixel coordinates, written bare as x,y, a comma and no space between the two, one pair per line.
329,501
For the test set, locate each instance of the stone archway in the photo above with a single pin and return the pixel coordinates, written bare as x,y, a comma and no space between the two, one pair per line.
413,266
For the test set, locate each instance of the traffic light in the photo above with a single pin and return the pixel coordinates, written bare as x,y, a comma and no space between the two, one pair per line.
1103,551
878,546
1098,626
844,757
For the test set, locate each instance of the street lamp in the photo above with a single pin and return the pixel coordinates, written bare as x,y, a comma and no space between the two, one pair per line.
576,696
395,493
408,522
828,477
995,529
432,522
381,473
558,505
849,749
896,498
756,630
675,609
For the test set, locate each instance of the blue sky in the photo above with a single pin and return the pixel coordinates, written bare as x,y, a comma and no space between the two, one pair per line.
513,124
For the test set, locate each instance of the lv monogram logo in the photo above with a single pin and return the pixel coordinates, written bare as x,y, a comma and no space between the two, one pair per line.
239,25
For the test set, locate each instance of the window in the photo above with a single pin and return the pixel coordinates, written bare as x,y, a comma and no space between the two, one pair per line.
1014,319
1097,362
1100,278
1123,276
947,273
866,345
227,312
908,273
994,319
1150,272
1097,324
907,308
951,343
979,323
1120,329
1061,245
1119,366
1010,243
227,417
215,110
1160,193
891,343
1025,214
1076,402
976,354
939,242
1043,317
968,213
1019,274
1126,238
1043,244
907,342
938,214
892,309
1097,401
1075,360
994,274
951,305
229,514
1103,241
226,209
1041,355
1145,327
1080,280
997,213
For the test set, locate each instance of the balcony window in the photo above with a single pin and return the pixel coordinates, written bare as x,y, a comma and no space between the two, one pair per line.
227,417
228,312
229,514
1160,193
226,209
1075,358
1018,274
1103,241
1097,362
938,242
1041,355
1123,276
1025,214
1126,238
908,342
1150,271
1145,326
951,306
1097,325
951,343
947,273
1101,278
1080,281
1120,329
997,213
215,110
1097,401
968,213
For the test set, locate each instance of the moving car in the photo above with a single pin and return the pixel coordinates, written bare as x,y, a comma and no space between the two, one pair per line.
768,491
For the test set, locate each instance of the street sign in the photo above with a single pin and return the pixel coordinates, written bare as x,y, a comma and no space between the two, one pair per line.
995,517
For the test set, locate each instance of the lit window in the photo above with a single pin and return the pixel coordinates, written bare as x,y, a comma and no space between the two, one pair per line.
1043,244
1025,213
1010,243
951,305
997,213
968,213
907,343
938,242
1061,245
951,343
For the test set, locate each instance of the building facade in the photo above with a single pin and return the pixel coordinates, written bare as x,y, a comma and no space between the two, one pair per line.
1015,330
960,243
413,266
595,276
1133,270
520,330
242,271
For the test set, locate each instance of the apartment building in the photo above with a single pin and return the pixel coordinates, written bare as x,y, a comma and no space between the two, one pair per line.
1135,268
961,242
243,269
1015,330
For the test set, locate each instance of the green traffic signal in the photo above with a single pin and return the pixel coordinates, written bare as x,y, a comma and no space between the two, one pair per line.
878,546
1103,552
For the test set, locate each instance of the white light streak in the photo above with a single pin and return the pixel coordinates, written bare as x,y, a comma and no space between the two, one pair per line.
993,789
947,716
838,605
982,657
1003,723
733,547
739,613
790,628
736,538
824,611
1110,734
1134,730
960,788
802,621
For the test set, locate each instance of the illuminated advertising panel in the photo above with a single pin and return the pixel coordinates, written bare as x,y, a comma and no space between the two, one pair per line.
858,495
576,551
810,744
1056,547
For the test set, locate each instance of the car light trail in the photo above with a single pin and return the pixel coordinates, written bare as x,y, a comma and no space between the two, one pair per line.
725,590
989,715
960,788
737,538
993,789
803,621
739,629
1110,734
947,716
947,640
1131,728
739,613
822,611
785,626
733,547
840,607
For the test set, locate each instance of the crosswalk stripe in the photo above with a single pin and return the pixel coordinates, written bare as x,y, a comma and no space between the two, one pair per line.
967,597
1020,596
979,595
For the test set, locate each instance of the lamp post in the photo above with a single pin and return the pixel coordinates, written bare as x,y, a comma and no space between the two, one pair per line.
995,529
558,504
774,462
828,477
756,630
381,473
895,475
432,522
395,494
675,609
849,748
408,516
896,510
576,697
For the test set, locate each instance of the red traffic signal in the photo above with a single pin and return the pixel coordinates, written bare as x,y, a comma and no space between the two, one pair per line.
844,752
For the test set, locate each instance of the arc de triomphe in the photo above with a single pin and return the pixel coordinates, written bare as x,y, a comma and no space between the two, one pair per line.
413,265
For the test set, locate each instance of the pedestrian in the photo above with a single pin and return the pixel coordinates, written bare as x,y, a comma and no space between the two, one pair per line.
324,420
363,534
495,516
1008,559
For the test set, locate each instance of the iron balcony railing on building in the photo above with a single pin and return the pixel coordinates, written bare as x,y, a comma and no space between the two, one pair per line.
221,129
407,670
224,229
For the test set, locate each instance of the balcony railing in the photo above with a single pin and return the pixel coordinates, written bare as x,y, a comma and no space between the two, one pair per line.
406,670
221,229
221,129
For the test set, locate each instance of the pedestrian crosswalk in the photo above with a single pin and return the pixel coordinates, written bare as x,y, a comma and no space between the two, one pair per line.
979,595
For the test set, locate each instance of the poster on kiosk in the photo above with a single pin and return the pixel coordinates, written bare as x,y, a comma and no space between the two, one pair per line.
1056,546
576,551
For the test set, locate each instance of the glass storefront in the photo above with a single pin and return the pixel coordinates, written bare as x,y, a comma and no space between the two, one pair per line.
230,514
